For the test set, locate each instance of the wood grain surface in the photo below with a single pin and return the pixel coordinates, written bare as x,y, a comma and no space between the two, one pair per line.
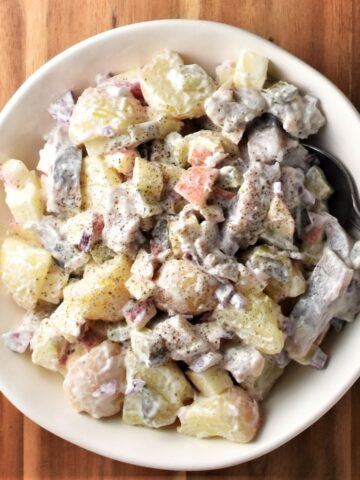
324,33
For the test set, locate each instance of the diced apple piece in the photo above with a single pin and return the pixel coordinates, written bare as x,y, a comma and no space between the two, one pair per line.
196,183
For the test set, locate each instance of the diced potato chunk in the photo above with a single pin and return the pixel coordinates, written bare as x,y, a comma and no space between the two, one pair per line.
147,178
259,387
97,181
23,270
250,70
95,382
68,319
102,292
122,160
225,72
140,288
171,174
257,324
54,283
174,89
156,405
48,347
23,192
213,381
99,110
183,288
148,407
96,147
232,415
279,220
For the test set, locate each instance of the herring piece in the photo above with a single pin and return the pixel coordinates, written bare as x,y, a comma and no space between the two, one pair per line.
181,339
299,114
121,221
268,143
61,162
232,109
247,215
314,310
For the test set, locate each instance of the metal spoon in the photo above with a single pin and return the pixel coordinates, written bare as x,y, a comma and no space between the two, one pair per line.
344,203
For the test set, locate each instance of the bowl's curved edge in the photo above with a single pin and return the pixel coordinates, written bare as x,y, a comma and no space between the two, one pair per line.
213,463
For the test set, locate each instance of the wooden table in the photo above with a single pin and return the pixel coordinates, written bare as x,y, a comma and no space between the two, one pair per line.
324,33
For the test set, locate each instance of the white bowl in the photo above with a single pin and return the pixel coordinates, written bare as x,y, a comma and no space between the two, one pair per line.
303,394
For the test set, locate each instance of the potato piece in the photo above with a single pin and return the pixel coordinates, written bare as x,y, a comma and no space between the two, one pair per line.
259,387
23,270
147,178
250,70
279,220
167,379
225,72
48,347
213,381
122,160
171,174
183,288
256,324
156,404
232,415
176,145
97,181
149,408
96,147
102,292
54,283
174,89
68,319
23,192
95,382
140,288
98,111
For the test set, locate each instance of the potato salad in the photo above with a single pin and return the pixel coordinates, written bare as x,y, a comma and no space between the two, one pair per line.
173,249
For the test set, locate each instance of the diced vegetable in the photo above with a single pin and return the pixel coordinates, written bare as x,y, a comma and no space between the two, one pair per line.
183,288
102,292
259,387
316,182
147,178
23,270
54,283
250,70
48,347
23,191
232,415
279,220
213,381
97,181
196,183
257,323
95,382
174,89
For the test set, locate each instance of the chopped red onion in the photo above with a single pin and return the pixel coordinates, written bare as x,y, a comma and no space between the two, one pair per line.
238,301
319,359
224,293
18,341
135,386
62,109
281,359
